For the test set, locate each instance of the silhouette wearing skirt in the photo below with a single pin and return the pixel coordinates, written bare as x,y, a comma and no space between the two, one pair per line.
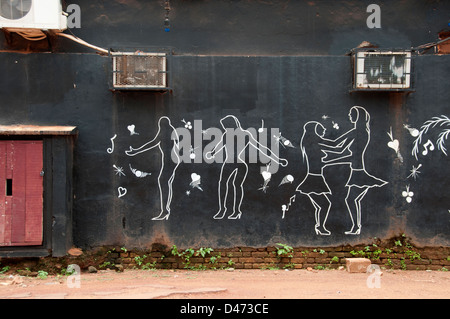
360,181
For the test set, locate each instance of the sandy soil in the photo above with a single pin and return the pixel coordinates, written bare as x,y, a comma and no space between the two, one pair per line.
236,284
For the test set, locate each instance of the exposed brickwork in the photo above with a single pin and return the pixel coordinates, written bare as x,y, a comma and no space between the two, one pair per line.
396,253
397,257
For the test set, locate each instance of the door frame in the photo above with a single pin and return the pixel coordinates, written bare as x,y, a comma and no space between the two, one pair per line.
58,149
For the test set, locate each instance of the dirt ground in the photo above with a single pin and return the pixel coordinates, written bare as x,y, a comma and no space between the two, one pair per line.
235,284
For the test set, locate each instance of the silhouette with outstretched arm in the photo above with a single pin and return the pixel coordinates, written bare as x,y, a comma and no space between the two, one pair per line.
235,169
167,141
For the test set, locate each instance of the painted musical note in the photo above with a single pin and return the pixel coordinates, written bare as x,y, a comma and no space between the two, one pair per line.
285,208
261,129
428,146
111,149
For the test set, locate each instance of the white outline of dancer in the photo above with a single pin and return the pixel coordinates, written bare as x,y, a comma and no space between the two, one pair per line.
319,227
175,151
360,163
221,146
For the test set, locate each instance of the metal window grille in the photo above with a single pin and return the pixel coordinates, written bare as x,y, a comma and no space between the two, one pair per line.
382,70
139,70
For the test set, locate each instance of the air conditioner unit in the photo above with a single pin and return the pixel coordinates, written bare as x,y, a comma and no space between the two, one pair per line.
139,71
17,15
382,70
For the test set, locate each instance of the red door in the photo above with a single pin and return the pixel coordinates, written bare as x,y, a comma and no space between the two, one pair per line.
21,190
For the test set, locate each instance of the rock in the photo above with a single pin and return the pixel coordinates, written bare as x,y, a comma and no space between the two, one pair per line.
17,280
75,252
118,268
92,269
355,265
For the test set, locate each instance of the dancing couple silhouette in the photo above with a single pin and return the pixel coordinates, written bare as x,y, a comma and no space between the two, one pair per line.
349,148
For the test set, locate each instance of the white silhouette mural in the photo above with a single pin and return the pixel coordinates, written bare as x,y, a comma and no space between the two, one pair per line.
166,139
235,147
360,181
234,168
314,184
350,148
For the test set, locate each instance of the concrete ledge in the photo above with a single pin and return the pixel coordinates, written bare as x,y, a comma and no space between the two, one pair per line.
357,264
21,129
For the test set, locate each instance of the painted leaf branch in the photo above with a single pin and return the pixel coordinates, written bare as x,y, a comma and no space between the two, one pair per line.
440,141
434,122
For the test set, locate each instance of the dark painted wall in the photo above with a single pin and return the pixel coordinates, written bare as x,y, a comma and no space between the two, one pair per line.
282,62
251,27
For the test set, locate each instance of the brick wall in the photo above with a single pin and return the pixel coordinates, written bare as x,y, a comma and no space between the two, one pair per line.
399,255
396,253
